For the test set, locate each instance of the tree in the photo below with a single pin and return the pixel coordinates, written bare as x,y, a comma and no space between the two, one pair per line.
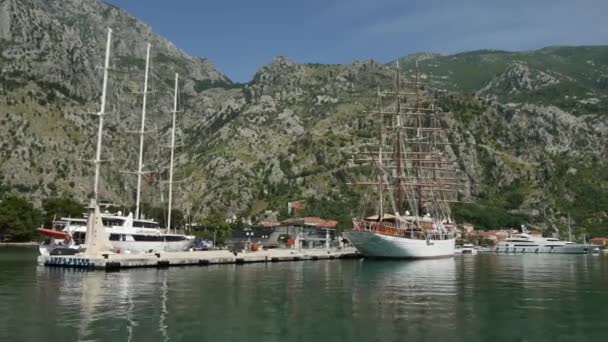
215,224
57,207
18,219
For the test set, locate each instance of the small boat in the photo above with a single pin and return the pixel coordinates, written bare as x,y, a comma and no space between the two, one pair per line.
55,234
469,249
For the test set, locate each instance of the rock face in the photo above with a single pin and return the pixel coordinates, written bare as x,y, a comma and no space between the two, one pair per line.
520,133
50,53
518,78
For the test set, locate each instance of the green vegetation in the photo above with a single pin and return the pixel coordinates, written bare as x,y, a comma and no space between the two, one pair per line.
58,207
18,219
487,217
581,190
341,206
202,85
213,226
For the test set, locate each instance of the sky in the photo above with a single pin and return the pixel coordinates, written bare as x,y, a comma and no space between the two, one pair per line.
240,36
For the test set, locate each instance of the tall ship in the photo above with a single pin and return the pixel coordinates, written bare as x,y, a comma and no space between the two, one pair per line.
126,233
412,182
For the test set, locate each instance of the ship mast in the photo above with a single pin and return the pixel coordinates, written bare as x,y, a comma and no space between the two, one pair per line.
172,147
141,133
417,173
101,114
399,177
380,169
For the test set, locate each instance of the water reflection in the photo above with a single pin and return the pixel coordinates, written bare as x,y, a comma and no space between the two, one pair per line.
486,297
400,292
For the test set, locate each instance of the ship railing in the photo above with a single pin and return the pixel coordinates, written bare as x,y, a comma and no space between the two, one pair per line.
388,228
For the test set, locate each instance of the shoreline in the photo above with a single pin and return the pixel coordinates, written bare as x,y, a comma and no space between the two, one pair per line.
19,244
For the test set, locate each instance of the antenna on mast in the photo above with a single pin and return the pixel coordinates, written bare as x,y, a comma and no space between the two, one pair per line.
100,114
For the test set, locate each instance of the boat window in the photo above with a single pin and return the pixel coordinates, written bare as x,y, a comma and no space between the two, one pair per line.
112,222
148,237
114,237
175,238
143,224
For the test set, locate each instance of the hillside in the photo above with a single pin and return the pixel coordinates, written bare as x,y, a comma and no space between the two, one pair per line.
50,53
572,78
529,130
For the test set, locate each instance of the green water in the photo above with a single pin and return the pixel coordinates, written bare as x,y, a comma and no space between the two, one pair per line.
472,298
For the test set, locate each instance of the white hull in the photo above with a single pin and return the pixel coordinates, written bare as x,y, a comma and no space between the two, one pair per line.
154,246
130,246
376,245
566,249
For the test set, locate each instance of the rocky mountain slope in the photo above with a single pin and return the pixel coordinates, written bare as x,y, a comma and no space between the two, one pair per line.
529,130
50,53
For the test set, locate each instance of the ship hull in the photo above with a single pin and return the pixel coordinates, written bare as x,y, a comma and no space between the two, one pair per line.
130,246
567,249
375,245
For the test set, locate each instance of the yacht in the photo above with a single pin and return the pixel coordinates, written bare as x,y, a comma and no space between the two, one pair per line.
467,249
526,243
126,234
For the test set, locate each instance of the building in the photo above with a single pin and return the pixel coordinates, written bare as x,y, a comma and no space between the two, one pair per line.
294,207
493,236
306,232
600,241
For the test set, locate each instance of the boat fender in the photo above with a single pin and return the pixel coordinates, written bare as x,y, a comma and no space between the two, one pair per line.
536,251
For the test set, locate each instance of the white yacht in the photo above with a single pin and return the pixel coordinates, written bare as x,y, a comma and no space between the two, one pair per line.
466,249
126,235
526,243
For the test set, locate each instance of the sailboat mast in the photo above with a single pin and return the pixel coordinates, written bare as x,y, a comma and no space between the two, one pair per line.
142,132
172,154
101,114
380,150
399,200
419,147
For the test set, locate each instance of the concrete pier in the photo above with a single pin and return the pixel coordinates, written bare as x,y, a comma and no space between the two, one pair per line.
113,261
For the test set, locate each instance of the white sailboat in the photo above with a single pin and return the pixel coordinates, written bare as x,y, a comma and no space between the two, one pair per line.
125,232
412,174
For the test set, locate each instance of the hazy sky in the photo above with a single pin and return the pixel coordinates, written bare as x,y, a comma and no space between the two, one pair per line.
240,36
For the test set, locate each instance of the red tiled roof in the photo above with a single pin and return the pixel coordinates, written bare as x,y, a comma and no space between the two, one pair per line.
313,221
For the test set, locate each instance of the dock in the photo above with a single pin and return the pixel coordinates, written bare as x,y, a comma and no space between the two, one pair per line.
115,261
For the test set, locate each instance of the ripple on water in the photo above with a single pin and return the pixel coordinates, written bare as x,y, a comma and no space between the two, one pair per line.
486,297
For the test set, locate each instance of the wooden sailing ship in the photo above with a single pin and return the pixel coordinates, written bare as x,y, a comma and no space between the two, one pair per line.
413,183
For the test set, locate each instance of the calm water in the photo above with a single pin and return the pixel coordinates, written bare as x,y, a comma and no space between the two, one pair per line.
472,298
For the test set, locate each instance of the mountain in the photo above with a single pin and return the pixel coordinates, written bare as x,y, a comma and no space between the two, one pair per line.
529,129
50,53
573,78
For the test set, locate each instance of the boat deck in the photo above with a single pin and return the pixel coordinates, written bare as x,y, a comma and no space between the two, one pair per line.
113,261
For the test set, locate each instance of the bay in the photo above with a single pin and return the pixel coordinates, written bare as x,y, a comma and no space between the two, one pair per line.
486,297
